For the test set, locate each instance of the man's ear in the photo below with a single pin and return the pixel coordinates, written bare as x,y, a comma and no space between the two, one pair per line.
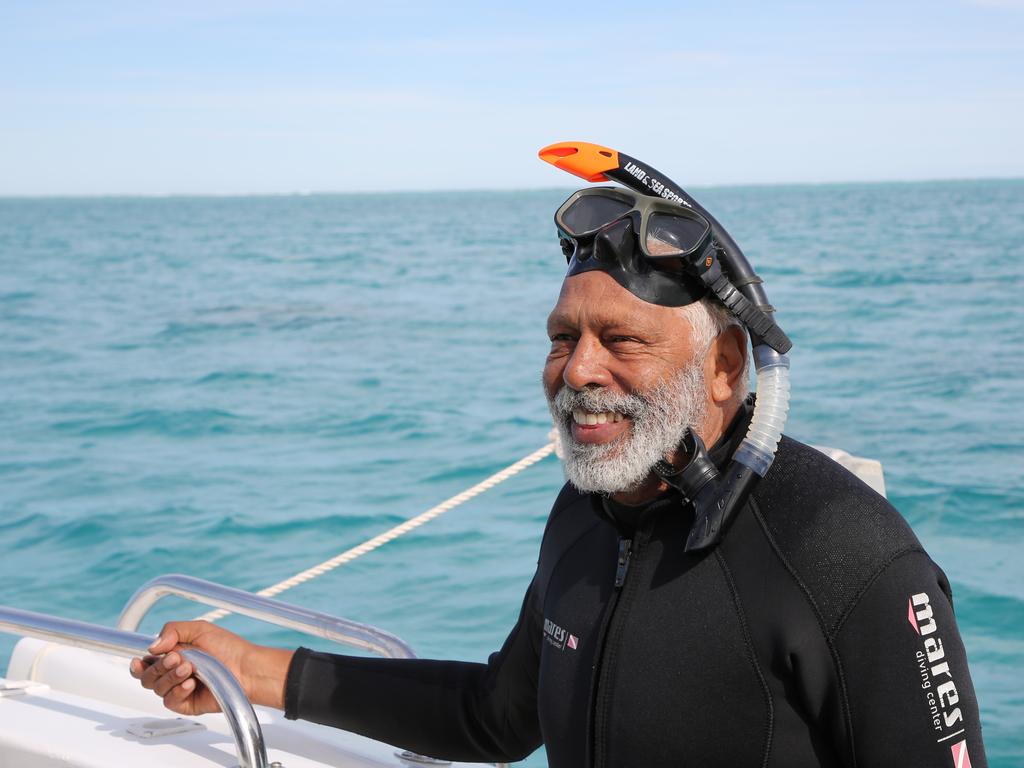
725,362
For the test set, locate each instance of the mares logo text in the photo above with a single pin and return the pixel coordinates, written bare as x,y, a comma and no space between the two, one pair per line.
936,678
558,637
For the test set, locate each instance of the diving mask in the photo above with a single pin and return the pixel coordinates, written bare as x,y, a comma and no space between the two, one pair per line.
644,243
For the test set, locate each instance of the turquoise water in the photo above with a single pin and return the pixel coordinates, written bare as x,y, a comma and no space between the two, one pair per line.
238,388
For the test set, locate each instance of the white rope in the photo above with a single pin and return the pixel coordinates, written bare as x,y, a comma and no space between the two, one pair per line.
390,535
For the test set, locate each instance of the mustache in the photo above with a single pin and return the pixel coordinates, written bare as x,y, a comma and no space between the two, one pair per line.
596,400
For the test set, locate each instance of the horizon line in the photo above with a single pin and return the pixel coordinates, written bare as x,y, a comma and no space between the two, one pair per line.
467,190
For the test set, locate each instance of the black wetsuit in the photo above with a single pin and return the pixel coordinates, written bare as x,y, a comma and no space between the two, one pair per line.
818,633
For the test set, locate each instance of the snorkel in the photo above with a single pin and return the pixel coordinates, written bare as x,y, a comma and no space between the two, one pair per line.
720,266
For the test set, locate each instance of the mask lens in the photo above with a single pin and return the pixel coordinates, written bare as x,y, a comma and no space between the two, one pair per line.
590,212
669,235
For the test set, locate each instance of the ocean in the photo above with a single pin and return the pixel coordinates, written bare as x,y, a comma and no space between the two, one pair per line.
239,388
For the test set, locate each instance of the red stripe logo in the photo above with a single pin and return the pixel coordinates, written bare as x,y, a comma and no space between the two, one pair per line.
960,757
911,617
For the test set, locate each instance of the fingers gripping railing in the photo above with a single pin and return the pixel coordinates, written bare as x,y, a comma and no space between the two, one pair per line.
264,609
245,728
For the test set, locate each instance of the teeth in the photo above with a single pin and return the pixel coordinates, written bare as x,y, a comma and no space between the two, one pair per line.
606,417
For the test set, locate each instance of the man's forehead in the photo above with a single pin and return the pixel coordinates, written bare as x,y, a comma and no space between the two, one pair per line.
595,298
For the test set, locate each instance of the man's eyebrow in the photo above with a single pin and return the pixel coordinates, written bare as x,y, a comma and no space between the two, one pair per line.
615,326
559,318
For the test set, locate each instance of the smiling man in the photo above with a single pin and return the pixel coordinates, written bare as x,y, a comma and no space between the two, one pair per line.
792,621
625,378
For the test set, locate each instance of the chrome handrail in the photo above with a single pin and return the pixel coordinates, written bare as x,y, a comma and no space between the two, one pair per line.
266,609
245,728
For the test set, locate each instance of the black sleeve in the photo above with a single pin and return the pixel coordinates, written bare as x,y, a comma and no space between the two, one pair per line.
909,697
444,709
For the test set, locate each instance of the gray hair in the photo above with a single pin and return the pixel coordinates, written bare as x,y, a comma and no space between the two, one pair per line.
709,318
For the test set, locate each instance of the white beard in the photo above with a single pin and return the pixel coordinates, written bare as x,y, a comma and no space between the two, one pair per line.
659,419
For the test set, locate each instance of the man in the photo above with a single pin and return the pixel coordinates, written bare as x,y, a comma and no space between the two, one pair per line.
815,632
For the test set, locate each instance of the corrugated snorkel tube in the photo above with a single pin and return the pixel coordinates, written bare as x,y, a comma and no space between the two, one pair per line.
770,410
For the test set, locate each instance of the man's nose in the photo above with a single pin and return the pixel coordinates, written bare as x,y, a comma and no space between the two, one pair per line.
587,366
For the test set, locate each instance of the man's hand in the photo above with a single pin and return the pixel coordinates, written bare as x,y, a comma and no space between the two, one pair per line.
261,671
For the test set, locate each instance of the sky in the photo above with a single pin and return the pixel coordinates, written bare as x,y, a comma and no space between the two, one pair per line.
283,97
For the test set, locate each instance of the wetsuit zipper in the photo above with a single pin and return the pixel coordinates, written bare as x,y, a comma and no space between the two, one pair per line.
627,550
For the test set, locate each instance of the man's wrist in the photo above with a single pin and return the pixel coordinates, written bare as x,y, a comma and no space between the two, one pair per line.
266,672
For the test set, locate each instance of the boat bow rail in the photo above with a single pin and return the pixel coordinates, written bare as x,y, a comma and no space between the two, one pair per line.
343,631
245,728
271,611
240,715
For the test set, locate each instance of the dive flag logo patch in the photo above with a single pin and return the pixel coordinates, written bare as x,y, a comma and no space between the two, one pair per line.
960,757
559,637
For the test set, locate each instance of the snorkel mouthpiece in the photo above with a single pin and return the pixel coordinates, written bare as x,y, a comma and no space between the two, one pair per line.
616,246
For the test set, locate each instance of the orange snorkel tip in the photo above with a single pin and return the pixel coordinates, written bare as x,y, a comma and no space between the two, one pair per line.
588,161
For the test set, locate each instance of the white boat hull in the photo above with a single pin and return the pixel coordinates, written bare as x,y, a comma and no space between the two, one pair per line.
73,708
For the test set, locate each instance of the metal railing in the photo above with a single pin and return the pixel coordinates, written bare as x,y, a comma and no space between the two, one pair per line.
245,728
266,609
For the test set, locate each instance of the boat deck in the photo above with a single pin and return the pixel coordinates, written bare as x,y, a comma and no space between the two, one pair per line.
63,706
